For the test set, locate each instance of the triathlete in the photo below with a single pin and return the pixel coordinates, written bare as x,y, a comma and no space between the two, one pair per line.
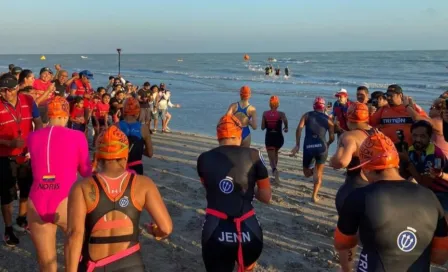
230,173
104,212
272,121
401,225
246,113
315,146
55,165
138,135
347,154
287,71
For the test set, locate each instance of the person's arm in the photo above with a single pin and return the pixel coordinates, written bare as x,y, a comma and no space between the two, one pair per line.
36,117
85,165
345,235
253,118
263,122
439,245
344,153
70,81
148,142
46,94
263,192
231,110
285,121
299,134
154,205
330,132
76,217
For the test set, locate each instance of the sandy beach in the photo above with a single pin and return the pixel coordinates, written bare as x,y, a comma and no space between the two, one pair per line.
298,234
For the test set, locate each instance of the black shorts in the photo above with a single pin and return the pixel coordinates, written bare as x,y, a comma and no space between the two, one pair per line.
13,174
219,246
311,158
100,122
131,263
79,127
351,183
274,140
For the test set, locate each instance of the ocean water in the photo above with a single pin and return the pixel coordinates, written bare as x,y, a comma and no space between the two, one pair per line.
205,84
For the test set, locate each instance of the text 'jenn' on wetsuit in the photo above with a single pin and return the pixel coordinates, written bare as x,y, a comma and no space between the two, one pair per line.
104,212
230,174
346,155
138,135
401,225
315,146
272,121
55,165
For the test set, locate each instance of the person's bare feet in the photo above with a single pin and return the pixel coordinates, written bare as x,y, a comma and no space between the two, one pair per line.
315,199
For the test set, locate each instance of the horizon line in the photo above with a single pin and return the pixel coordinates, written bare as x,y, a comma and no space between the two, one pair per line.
196,53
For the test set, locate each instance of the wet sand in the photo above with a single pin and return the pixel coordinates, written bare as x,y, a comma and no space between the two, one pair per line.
298,234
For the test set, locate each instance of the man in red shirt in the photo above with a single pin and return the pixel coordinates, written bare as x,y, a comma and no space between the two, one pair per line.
18,112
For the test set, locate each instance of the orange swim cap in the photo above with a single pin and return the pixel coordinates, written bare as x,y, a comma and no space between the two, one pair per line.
58,107
358,113
112,144
378,152
131,106
228,127
245,92
274,102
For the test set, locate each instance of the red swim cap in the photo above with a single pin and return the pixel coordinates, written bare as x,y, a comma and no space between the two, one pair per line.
378,152
358,113
319,103
274,102
131,106
228,127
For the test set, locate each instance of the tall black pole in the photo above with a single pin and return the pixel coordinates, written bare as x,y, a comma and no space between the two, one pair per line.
119,59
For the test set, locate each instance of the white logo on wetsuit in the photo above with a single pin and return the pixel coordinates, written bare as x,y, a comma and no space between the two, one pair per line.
313,146
226,185
123,202
262,158
407,240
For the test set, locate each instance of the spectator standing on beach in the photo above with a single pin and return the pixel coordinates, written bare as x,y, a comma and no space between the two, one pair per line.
16,72
143,99
82,87
315,146
272,121
246,113
232,176
18,115
153,105
340,112
401,225
395,121
110,84
104,227
62,83
116,107
162,105
362,94
26,79
43,91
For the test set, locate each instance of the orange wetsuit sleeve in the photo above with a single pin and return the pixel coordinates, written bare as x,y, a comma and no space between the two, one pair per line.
440,243
264,183
343,242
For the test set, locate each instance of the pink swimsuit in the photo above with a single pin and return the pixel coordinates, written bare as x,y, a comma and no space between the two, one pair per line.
57,154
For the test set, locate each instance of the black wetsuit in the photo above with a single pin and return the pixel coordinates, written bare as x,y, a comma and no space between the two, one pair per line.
229,174
274,133
353,179
286,72
131,263
315,148
136,144
397,221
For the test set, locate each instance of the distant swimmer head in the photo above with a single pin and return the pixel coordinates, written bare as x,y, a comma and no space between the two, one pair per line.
358,113
229,129
245,92
131,107
377,153
112,144
274,102
58,111
319,104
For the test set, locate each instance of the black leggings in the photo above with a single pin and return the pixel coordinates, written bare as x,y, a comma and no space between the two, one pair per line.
131,263
220,250
351,183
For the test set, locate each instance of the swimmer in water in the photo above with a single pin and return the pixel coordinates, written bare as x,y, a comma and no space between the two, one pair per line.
104,212
231,232
272,121
55,165
315,146
138,135
287,71
246,113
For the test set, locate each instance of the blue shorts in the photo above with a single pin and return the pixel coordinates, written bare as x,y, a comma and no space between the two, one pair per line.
443,199
314,155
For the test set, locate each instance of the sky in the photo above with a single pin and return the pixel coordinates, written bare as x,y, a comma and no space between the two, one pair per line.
221,26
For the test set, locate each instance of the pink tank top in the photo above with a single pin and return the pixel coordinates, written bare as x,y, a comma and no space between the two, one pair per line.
57,154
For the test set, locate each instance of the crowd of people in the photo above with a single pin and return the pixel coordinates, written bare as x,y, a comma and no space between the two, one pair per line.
394,198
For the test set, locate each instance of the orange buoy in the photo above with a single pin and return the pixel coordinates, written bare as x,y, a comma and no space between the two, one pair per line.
246,57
